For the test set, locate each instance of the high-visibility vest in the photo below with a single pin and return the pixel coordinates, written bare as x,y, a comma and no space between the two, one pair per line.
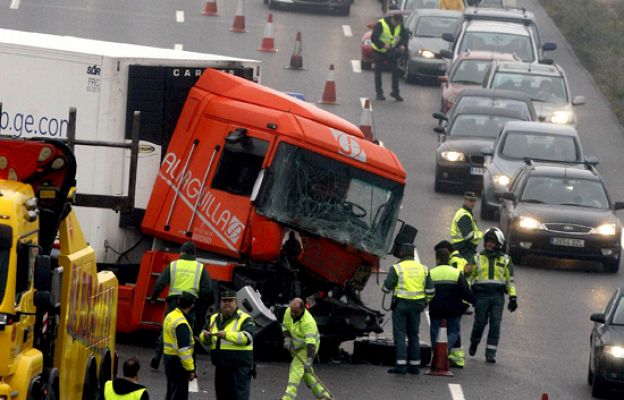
457,261
185,277
456,235
444,274
302,332
235,339
411,283
387,36
170,339
109,393
501,275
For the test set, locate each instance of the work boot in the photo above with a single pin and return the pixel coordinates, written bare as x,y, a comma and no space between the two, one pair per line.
489,358
413,370
398,370
155,363
380,97
396,96
473,348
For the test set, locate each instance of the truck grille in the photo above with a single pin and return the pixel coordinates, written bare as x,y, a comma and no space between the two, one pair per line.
568,228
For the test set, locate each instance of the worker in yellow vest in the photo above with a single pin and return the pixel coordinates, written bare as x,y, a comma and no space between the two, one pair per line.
126,388
465,234
230,334
183,275
388,40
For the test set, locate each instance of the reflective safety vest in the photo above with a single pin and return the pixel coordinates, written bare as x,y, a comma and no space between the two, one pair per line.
456,235
457,261
109,393
303,332
235,339
444,274
387,36
411,283
185,277
170,339
500,276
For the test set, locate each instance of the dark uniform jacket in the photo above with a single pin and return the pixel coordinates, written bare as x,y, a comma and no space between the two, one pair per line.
232,358
447,301
404,37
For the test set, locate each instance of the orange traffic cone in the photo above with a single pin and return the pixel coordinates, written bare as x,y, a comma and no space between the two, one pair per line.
440,364
296,60
211,8
329,93
366,122
268,43
239,18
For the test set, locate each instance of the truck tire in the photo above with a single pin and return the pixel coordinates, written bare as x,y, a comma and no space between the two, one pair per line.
90,385
105,373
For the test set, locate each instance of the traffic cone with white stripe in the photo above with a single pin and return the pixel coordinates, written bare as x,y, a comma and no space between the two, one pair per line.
366,122
268,42
239,18
440,364
296,60
329,92
211,8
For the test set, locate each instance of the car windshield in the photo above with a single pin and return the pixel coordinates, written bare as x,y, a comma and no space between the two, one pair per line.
470,72
520,45
415,4
480,101
435,26
6,238
565,191
478,125
520,145
618,313
331,199
549,89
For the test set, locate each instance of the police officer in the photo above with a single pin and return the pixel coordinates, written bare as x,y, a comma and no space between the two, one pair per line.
126,388
302,340
388,40
451,287
455,259
183,275
230,334
178,348
413,289
491,278
465,233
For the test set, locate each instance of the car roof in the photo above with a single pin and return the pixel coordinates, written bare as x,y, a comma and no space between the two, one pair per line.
497,27
486,55
434,12
500,14
540,127
494,111
529,68
495,93
575,171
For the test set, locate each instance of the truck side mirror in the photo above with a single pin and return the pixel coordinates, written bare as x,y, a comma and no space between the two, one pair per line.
591,160
440,130
407,234
598,317
43,273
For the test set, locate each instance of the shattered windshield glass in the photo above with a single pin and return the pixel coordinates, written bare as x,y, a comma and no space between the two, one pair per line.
333,200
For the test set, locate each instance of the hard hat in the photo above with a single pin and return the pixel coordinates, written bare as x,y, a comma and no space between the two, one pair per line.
495,235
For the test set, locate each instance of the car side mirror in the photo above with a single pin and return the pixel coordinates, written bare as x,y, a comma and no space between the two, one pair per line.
598,317
439,130
508,196
487,151
449,37
444,53
549,46
443,78
578,100
618,205
591,160
440,116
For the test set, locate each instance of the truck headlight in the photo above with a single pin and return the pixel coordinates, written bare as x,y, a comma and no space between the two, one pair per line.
562,117
529,223
426,53
501,179
614,351
453,156
605,230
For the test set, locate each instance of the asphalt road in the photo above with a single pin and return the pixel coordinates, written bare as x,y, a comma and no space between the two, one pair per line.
544,346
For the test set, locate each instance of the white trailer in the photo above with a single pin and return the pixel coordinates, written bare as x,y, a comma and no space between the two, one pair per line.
44,75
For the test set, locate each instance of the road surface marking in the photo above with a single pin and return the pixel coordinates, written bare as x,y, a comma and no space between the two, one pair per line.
428,319
178,46
180,16
15,4
362,101
193,386
456,391
356,66
346,29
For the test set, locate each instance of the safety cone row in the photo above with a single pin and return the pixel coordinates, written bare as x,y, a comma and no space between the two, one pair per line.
211,8
366,121
268,41
440,364
329,92
239,19
296,59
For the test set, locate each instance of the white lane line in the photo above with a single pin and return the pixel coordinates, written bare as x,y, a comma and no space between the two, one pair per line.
427,316
15,4
346,29
356,66
178,46
193,386
180,16
456,391
363,100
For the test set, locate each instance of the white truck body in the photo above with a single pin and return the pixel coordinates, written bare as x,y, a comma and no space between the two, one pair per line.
44,75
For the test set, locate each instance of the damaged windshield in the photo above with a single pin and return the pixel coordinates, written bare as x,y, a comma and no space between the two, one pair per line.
331,199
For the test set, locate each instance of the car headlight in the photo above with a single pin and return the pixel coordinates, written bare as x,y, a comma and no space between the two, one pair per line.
605,230
501,179
614,351
453,156
529,223
426,53
562,117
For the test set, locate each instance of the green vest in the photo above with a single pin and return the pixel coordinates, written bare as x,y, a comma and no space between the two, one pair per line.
170,339
302,332
457,261
109,393
456,235
235,339
411,283
388,37
501,275
185,277
444,274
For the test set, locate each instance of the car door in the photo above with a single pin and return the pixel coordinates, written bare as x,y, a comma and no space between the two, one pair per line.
507,207
596,335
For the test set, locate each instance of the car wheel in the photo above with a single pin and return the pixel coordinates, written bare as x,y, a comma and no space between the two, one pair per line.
366,65
487,213
599,388
611,267
438,186
407,75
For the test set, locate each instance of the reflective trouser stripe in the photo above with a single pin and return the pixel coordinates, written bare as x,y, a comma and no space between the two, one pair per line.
401,362
492,347
414,362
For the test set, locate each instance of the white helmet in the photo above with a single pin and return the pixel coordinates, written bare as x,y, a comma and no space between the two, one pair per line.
495,235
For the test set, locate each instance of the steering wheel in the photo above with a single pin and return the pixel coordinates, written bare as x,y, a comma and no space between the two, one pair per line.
361,210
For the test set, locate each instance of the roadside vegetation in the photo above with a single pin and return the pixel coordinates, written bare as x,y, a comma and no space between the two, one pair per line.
595,29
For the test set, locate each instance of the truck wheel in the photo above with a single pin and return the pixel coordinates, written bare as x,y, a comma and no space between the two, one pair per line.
90,385
105,374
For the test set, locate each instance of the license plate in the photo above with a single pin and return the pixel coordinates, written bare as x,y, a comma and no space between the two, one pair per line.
567,242
477,171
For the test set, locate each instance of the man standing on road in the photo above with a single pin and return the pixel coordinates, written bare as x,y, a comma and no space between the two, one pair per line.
455,259
230,334
126,388
413,289
465,233
178,348
491,278
183,275
302,340
388,40
451,288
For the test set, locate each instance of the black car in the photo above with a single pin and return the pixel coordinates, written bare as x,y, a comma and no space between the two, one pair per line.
479,97
564,211
606,354
459,161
